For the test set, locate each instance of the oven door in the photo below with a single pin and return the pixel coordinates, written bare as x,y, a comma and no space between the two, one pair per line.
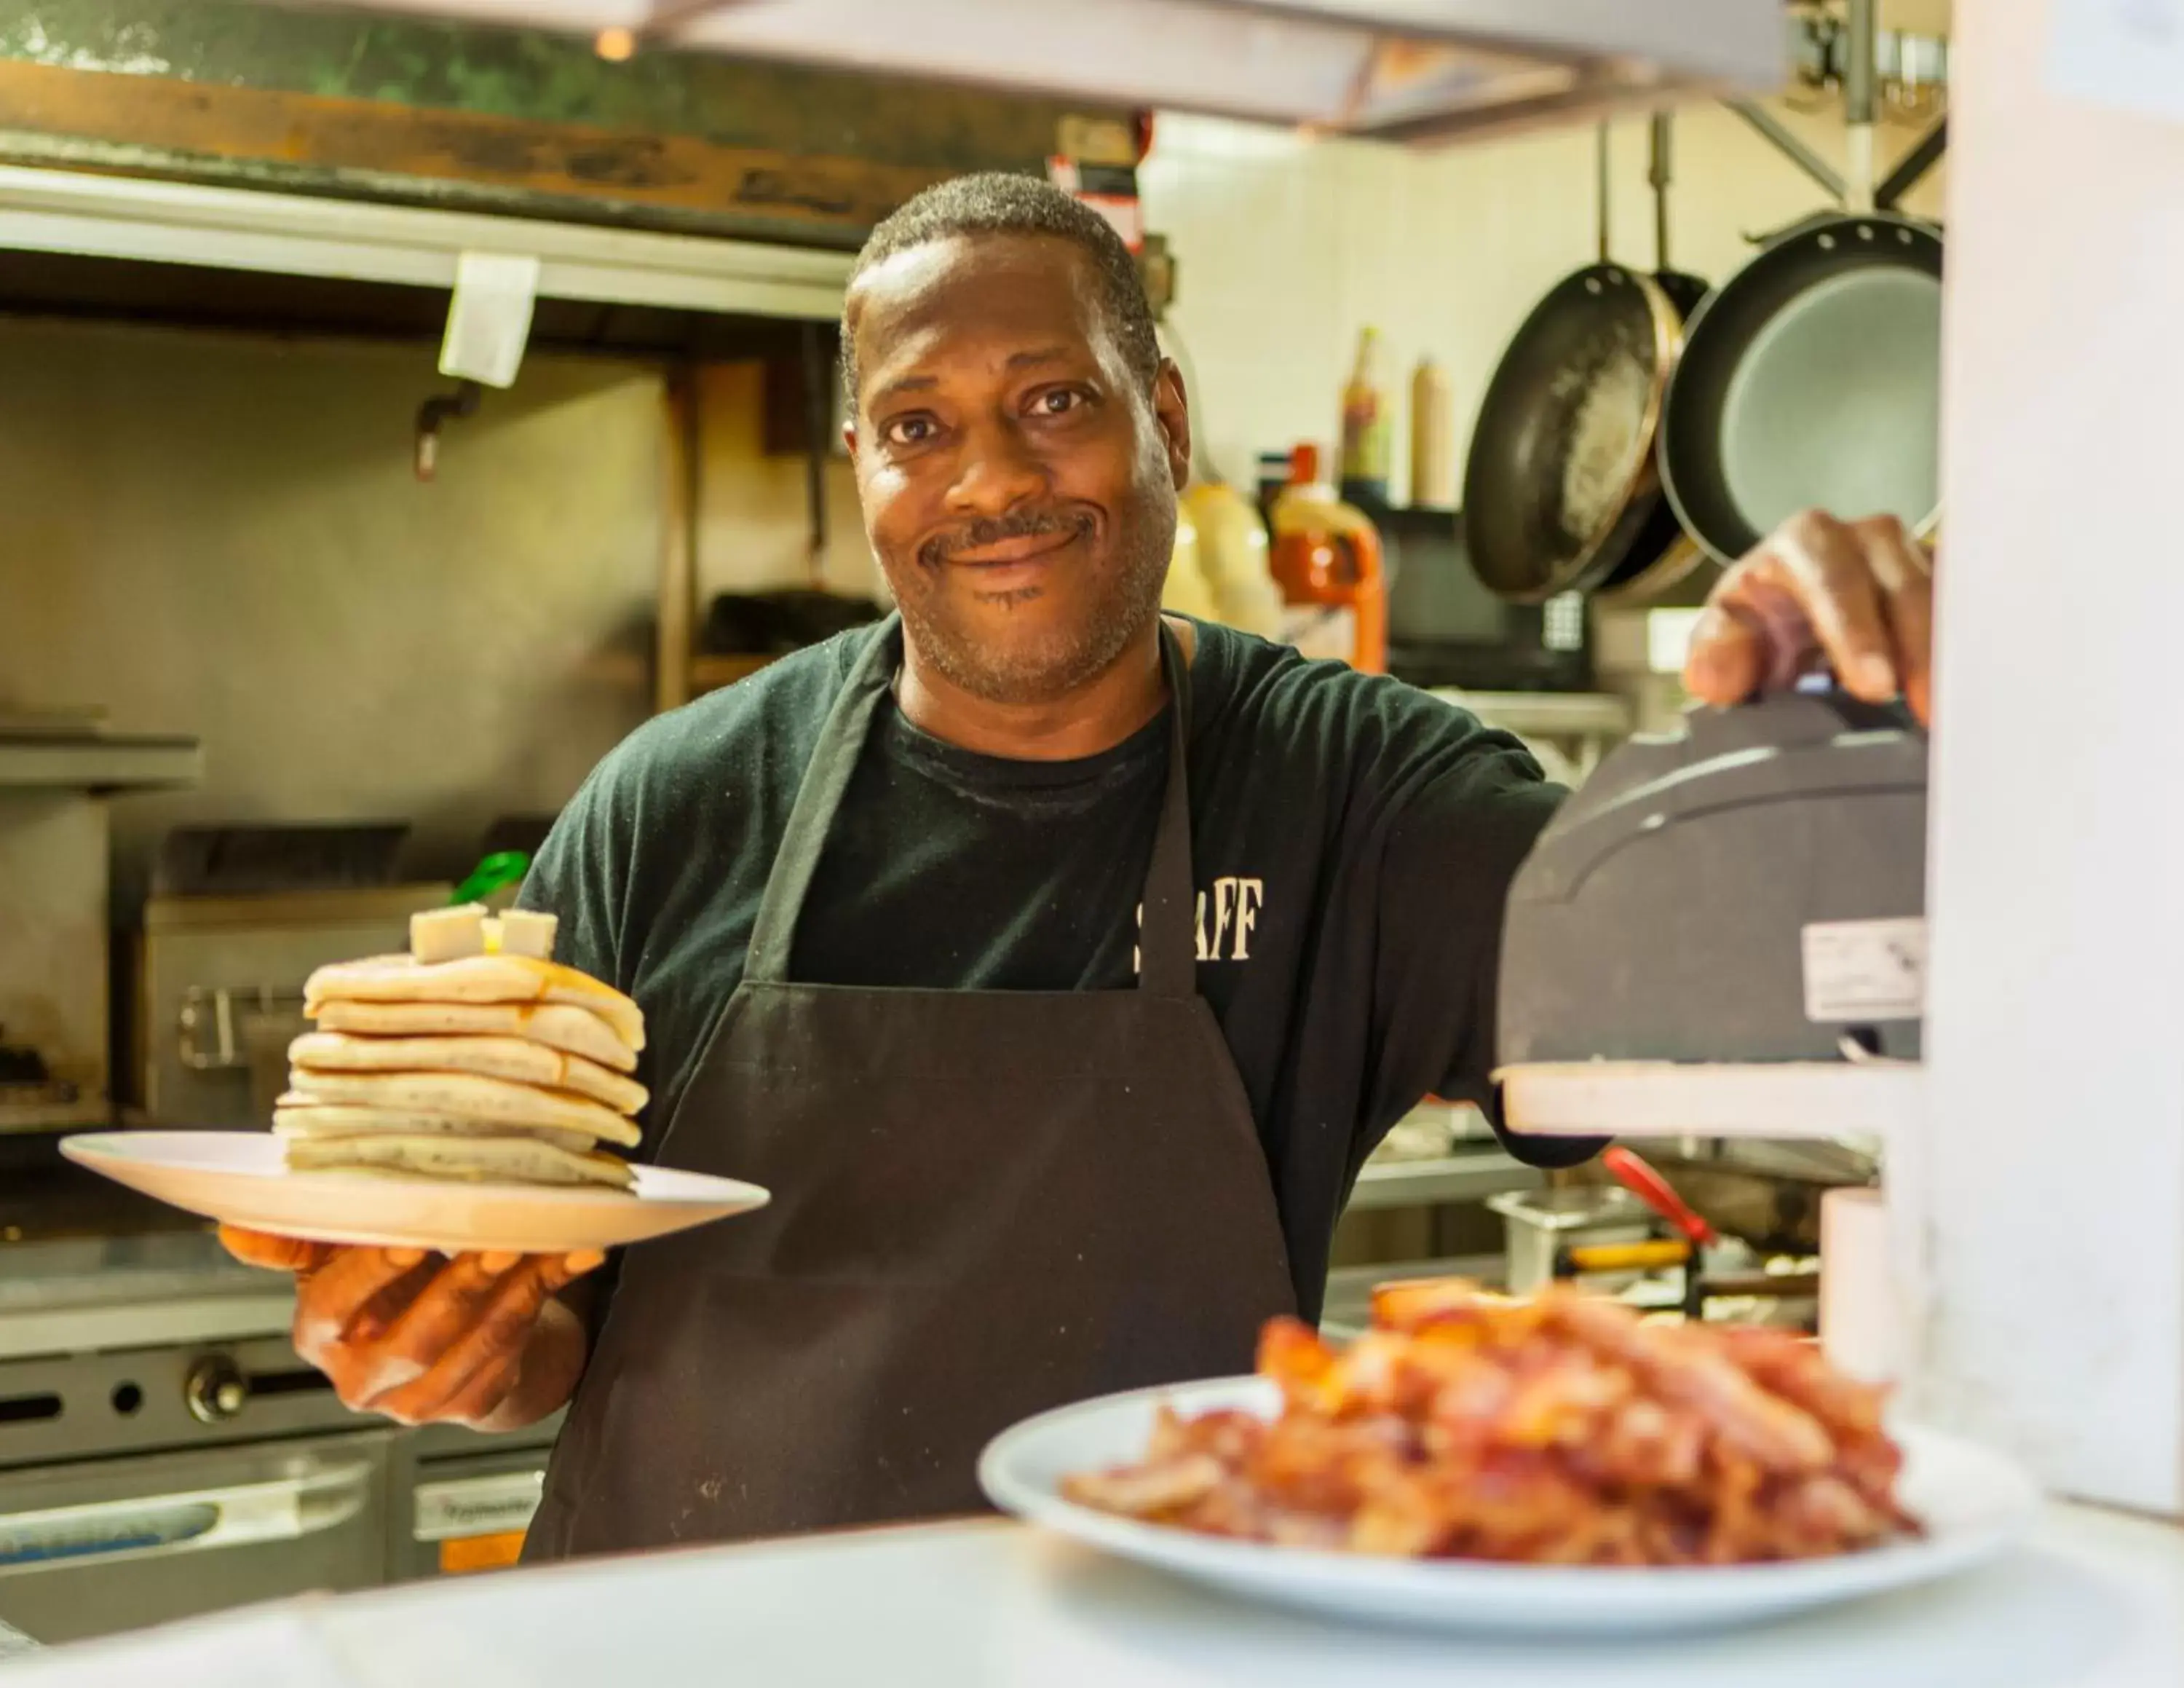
106,1545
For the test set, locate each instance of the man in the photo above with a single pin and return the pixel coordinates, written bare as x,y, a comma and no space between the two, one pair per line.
1054,962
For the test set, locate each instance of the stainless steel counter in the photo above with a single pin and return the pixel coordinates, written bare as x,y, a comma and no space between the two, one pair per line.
1465,1174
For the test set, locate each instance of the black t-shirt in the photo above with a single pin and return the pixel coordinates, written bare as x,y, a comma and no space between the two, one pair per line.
1353,841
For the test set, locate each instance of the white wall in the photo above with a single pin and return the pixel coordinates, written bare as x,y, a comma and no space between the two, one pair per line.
1287,246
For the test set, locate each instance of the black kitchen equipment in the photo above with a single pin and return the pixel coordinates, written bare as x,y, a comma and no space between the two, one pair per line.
21,1066
1444,628
1811,379
1560,480
1749,889
775,624
524,833
239,861
25,1081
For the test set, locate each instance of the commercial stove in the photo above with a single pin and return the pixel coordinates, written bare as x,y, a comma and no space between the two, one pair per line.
164,1451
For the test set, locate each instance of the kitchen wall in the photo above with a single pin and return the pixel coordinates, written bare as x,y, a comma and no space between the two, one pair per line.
221,535
1287,246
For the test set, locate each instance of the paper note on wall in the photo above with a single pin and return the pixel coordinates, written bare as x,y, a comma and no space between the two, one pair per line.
2126,54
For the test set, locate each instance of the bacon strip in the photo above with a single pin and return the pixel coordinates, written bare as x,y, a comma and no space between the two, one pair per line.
1564,1430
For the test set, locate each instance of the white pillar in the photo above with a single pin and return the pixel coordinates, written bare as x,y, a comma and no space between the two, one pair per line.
2048,1197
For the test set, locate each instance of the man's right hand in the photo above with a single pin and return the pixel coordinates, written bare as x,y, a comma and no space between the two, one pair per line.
476,1340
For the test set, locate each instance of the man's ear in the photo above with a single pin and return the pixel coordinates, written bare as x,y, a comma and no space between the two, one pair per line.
1172,409
850,435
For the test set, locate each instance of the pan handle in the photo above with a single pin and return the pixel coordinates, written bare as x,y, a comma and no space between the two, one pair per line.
1637,1176
1603,187
1657,173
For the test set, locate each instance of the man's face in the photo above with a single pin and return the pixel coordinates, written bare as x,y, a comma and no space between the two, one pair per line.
1018,482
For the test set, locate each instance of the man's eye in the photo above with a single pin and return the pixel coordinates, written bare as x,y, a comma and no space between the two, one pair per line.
1058,401
909,430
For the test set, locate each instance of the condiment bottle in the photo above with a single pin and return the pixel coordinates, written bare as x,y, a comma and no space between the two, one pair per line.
1433,439
1364,462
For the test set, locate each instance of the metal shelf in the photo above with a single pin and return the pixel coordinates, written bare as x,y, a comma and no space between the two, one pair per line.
294,234
1548,714
1471,1176
100,764
89,1113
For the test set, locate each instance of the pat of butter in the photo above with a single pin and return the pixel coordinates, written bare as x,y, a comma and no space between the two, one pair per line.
526,931
448,934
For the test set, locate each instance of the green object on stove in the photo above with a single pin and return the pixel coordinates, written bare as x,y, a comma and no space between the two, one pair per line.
502,869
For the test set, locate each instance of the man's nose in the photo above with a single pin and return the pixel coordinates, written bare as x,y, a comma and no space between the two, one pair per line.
998,470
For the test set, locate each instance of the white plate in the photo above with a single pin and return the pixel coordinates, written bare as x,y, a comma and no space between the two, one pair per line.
240,1178
1972,1503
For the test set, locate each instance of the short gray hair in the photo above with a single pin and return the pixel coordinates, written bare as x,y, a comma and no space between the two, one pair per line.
994,203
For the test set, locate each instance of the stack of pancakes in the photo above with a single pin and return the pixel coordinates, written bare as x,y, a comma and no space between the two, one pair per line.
466,1060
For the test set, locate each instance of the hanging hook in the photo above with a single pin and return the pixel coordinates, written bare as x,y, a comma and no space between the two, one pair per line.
433,414
1658,167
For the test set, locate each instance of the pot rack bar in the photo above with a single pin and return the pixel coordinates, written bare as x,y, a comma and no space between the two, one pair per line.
1912,168
1777,135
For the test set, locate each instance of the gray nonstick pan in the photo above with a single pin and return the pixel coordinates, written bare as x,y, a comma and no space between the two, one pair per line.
1811,379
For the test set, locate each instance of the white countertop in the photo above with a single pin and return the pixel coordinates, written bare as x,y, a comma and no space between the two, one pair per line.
2095,1598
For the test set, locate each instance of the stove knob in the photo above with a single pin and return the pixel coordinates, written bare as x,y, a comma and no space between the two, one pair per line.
215,1390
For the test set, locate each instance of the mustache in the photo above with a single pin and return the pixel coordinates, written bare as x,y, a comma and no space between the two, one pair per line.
988,530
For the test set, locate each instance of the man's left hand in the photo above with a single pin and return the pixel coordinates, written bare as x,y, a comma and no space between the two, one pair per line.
1859,595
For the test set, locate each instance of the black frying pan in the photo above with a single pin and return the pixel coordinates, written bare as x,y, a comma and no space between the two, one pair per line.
1560,480
1811,379
1662,558
1663,562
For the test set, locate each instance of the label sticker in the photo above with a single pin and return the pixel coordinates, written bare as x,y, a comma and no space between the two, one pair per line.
1863,970
477,1506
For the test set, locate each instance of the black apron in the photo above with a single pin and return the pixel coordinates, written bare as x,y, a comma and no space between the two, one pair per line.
985,1204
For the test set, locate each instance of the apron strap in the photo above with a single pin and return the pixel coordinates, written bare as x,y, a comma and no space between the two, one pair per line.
1167,924
1167,921
841,742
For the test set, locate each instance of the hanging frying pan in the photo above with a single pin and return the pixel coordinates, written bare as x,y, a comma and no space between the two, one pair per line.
1560,479
1812,378
1663,562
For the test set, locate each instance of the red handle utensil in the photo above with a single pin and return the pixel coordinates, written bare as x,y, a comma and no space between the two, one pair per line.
1636,1175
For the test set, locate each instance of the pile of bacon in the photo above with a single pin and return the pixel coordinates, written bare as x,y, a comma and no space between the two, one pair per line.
1559,1430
